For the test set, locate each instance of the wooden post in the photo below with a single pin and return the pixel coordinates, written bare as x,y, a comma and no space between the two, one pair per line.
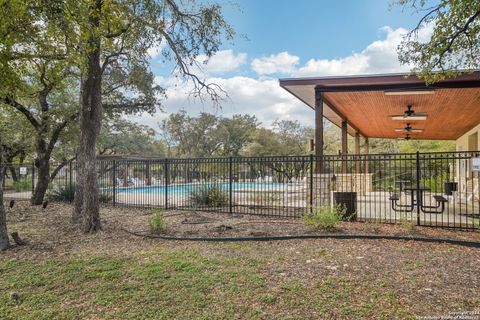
366,153
357,152
318,130
344,145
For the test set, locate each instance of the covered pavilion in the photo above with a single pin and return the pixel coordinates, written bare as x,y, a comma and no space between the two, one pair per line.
435,189
363,105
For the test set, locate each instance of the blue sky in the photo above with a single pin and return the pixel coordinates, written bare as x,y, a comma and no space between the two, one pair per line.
313,28
291,39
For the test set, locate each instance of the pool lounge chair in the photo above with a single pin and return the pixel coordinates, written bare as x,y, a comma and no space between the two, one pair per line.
136,182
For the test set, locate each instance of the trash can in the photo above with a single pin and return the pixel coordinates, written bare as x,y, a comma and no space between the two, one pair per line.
450,187
348,200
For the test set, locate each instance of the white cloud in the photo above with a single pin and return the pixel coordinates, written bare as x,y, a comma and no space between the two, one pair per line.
156,49
378,57
223,61
262,96
282,62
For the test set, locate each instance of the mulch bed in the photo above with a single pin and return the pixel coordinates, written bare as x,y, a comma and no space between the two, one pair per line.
214,224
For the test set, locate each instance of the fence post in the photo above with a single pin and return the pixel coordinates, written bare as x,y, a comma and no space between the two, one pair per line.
418,188
230,177
311,183
114,178
165,168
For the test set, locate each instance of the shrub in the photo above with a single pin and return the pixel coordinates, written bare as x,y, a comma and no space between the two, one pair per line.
325,217
67,193
211,196
157,222
105,197
63,193
406,223
22,185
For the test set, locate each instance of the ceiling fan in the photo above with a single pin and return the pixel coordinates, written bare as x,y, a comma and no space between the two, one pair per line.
410,114
408,128
407,137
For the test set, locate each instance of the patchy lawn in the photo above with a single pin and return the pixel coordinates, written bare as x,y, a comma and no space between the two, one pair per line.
64,274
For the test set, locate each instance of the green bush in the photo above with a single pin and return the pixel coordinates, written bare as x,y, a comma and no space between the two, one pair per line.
325,217
407,224
105,197
157,222
211,196
67,193
22,185
63,193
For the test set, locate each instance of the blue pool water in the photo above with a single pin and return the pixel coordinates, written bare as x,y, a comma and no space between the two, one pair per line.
182,189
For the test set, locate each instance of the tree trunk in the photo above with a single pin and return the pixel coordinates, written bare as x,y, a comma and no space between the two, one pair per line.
4,241
90,121
13,172
43,179
78,198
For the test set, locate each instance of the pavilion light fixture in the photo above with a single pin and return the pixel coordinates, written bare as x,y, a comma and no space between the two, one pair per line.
408,128
410,115
409,92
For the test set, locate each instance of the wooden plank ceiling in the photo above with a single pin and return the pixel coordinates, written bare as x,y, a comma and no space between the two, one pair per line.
452,110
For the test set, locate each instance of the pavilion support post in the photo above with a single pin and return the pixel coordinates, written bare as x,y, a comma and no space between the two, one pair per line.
318,182
366,153
318,130
357,152
344,145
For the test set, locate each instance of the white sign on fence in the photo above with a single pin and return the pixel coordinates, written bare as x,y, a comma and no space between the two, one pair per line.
23,170
475,164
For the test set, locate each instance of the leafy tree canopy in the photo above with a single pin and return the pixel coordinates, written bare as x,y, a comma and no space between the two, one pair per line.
454,45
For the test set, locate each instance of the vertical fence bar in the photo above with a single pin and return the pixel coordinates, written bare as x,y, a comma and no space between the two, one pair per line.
165,168
114,180
230,192
418,187
311,183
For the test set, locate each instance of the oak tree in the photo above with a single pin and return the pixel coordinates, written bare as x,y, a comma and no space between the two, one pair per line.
453,47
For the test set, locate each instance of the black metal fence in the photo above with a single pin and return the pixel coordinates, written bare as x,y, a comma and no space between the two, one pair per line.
430,189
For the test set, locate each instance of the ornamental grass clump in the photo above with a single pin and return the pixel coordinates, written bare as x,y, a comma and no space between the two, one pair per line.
63,193
67,194
324,217
157,222
211,196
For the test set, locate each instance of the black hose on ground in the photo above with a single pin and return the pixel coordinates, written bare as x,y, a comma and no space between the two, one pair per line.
464,243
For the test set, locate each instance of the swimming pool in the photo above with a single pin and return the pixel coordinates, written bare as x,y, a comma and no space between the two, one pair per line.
183,189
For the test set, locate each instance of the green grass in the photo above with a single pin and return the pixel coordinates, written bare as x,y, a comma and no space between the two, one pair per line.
190,283
172,284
